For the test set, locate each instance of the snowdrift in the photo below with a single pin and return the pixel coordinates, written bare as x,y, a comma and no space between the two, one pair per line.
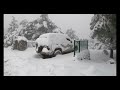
84,54
28,63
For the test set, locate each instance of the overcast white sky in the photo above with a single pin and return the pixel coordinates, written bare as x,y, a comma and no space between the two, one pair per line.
79,22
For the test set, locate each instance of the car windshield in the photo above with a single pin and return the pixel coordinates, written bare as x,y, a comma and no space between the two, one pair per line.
43,36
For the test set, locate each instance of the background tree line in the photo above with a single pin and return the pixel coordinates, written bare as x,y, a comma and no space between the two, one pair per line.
104,30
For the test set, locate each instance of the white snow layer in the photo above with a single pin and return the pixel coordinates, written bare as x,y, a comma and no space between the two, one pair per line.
28,63
45,24
45,50
84,54
21,38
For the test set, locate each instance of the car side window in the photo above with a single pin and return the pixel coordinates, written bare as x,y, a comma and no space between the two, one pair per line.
69,40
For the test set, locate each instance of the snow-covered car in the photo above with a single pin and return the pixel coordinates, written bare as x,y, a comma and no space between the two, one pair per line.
51,44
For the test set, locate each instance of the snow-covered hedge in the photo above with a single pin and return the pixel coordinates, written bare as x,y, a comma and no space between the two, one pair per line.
105,52
85,54
20,43
111,61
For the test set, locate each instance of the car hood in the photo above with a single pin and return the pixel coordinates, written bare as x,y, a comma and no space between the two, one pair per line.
42,41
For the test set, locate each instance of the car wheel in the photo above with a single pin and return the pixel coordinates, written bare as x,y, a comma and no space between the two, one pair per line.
44,57
57,52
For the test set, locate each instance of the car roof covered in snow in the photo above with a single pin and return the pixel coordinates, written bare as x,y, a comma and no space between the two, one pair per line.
45,39
50,34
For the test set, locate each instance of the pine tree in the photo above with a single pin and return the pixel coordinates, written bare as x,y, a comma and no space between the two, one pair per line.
104,26
13,25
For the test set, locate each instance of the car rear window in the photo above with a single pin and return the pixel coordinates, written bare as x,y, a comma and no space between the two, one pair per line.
69,40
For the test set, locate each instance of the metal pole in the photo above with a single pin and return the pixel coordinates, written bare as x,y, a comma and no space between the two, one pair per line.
79,46
87,44
74,48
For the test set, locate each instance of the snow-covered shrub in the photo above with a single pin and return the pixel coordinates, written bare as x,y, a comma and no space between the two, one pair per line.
111,61
85,54
8,41
20,43
105,52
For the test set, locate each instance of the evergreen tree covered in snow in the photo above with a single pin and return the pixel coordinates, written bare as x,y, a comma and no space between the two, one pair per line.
24,22
48,23
11,33
13,25
23,26
104,30
39,26
31,30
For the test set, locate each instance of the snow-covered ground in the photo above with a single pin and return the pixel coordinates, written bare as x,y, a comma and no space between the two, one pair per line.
28,63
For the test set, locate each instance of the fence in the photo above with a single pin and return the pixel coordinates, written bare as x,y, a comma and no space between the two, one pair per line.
80,45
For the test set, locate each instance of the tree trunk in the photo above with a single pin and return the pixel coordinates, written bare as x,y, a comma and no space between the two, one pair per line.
111,53
111,50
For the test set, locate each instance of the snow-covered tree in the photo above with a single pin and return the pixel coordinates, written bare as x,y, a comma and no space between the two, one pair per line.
104,26
48,23
57,30
12,30
71,34
43,25
13,25
22,27
24,22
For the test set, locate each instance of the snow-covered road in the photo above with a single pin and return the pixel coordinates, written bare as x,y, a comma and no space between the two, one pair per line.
28,63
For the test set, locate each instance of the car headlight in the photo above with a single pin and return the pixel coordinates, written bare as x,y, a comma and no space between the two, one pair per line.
47,47
36,45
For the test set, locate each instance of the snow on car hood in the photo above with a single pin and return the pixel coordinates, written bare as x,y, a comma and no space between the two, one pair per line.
42,41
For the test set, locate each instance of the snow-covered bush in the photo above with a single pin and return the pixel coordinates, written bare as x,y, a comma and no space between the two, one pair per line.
105,52
111,61
85,54
8,41
20,43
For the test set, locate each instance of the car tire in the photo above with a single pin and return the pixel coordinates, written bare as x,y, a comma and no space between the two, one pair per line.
46,56
43,56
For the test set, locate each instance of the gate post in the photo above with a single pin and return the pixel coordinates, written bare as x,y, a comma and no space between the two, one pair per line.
87,44
74,48
79,46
